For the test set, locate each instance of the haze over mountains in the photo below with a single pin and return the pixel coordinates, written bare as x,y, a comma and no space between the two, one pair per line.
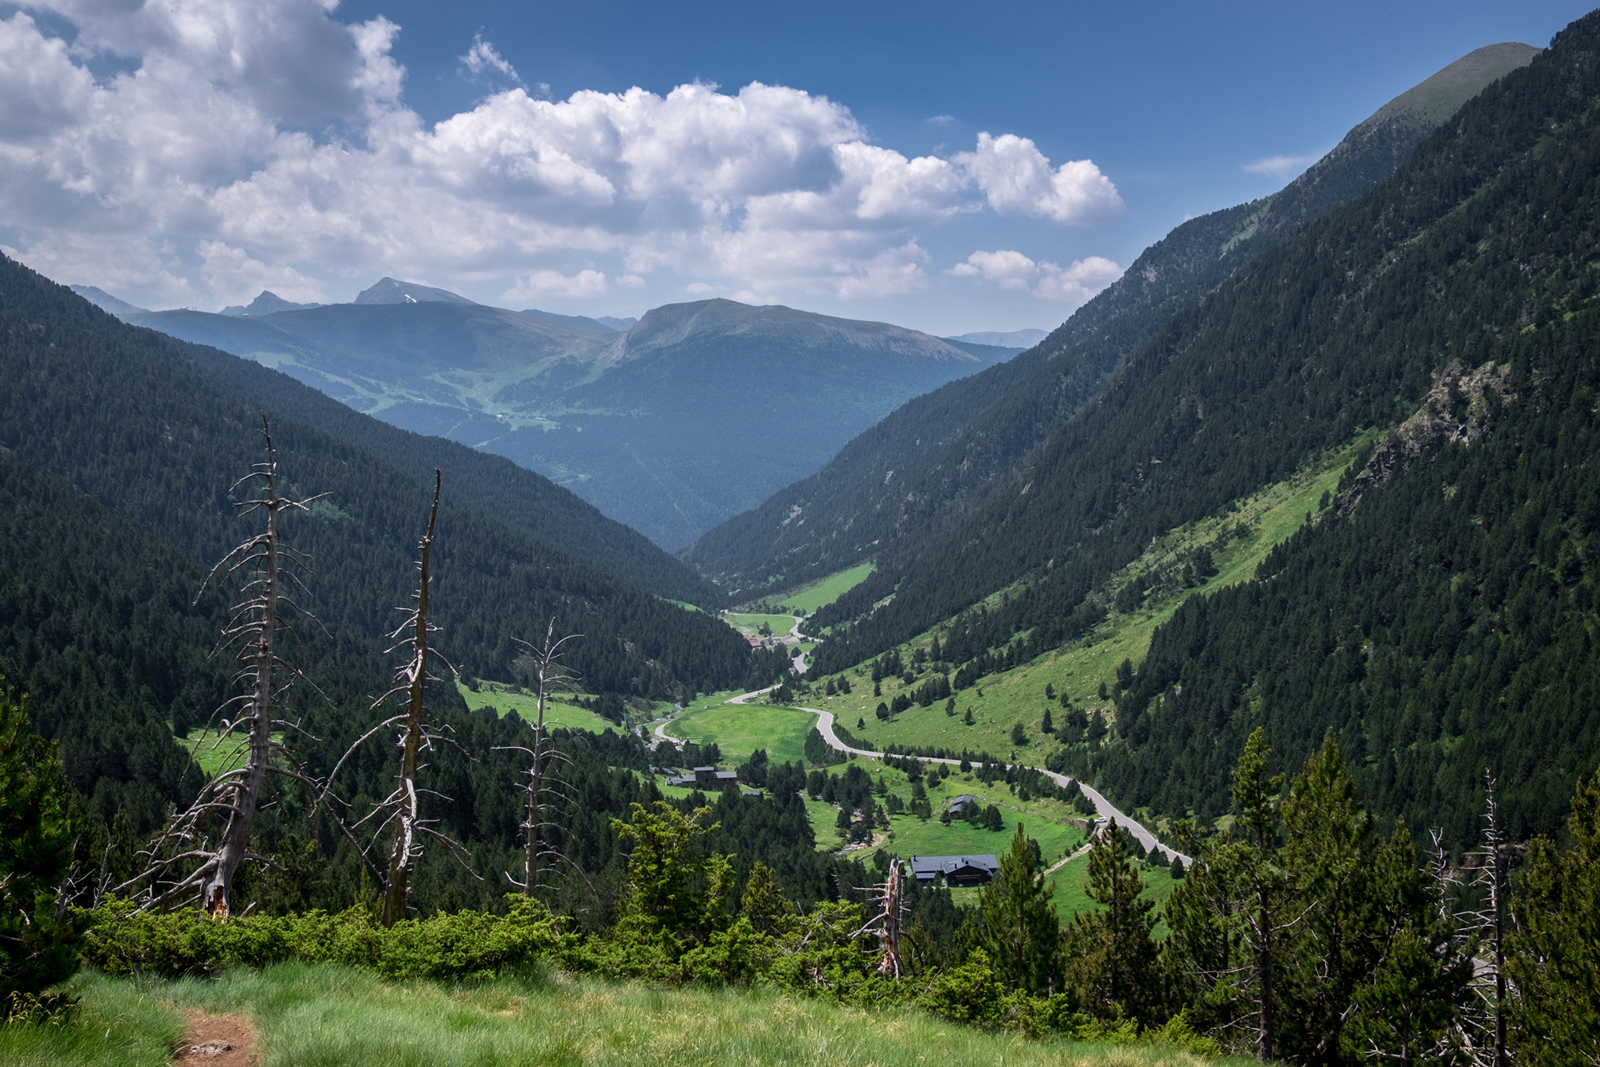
671,423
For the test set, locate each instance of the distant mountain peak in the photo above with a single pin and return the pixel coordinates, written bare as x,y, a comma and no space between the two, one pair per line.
266,303
105,301
393,291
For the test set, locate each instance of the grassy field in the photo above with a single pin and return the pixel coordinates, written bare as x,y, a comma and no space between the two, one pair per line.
1002,700
750,624
311,1016
740,729
214,759
813,597
557,712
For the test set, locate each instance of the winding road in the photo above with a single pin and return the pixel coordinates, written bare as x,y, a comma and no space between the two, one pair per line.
1103,807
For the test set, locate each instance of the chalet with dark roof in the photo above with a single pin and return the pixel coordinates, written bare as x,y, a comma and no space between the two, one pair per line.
957,871
707,778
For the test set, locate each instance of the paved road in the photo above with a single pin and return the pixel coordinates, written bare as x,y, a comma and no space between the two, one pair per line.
1103,807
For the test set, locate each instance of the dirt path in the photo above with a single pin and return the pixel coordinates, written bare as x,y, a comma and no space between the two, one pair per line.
217,1041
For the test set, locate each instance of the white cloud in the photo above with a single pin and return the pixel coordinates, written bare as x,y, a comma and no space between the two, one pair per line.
190,176
1016,177
484,56
1078,283
584,284
1075,284
1281,167
1012,270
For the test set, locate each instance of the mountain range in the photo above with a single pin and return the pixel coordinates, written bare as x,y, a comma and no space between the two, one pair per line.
667,423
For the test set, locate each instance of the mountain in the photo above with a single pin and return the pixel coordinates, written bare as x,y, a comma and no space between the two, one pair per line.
156,430
392,291
619,417
265,303
581,320
931,463
1014,339
105,301
616,323
1438,612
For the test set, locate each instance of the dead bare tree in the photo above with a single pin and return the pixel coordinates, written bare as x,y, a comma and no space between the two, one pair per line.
889,921
255,628
543,788
403,807
1493,870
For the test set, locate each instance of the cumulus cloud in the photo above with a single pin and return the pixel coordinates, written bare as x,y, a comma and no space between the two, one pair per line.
189,174
1075,284
1016,177
1281,167
585,283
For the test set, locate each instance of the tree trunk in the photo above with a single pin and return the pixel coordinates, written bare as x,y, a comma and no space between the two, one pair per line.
404,851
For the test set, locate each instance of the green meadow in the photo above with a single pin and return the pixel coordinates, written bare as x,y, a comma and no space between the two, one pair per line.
812,598
749,624
740,729
214,757
558,711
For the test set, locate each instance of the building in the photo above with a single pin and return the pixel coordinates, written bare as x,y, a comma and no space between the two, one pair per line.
957,871
963,805
707,778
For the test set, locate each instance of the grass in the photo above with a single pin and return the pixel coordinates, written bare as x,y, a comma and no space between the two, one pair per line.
322,1016
1001,700
557,712
215,759
749,624
740,729
121,1024
814,597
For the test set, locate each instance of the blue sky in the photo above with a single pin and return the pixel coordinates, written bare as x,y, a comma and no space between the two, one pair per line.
195,154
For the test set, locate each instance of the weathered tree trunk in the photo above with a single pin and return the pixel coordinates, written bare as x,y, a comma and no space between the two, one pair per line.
215,895
405,849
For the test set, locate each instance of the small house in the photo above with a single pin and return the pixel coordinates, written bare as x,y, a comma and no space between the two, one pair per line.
957,871
963,805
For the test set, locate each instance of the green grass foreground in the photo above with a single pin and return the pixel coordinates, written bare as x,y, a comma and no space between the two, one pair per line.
324,1015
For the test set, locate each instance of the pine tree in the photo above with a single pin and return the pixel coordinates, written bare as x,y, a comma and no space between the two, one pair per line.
1555,953
1020,930
1112,955
38,946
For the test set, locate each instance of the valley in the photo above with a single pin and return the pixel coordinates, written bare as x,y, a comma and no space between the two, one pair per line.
1281,555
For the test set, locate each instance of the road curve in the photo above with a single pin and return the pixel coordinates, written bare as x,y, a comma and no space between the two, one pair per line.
1103,807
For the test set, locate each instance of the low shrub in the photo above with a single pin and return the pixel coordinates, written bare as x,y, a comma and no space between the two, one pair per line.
122,940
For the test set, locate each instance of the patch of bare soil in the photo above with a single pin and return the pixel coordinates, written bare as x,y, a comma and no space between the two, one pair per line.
217,1041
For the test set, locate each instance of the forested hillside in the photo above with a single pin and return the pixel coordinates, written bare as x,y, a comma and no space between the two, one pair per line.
1441,616
1485,234
893,489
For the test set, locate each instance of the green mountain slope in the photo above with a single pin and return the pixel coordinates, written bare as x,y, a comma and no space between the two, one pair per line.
667,426
932,461
148,427
1485,234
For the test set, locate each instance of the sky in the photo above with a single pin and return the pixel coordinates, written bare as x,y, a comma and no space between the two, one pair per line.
951,167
